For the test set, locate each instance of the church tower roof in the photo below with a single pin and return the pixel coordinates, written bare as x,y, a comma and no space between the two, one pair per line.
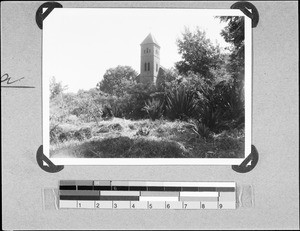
150,40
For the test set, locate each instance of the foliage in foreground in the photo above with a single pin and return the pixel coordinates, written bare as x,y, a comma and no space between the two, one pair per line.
119,138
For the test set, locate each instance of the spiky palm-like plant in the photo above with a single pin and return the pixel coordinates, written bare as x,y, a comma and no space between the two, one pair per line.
181,103
154,108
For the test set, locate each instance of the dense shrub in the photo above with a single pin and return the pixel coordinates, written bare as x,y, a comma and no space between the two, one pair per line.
233,104
55,130
215,106
154,109
85,105
117,110
138,96
201,129
65,136
181,103
107,112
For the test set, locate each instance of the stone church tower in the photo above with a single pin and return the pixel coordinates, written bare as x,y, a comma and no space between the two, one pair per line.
150,61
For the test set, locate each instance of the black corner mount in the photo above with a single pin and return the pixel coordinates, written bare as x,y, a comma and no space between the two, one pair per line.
45,163
249,10
249,163
40,15
251,160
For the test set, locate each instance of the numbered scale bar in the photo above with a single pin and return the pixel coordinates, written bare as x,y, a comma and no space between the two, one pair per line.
147,195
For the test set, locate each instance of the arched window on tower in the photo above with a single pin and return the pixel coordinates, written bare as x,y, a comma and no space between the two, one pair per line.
145,66
148,66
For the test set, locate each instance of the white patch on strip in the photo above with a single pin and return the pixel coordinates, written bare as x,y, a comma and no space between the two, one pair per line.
199,194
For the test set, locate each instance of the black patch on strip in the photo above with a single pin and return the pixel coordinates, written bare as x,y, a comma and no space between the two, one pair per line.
101,187
137,188
67,187
156,188
79,197
226,189
173,189
191,189
84,187
121,188
207,189
119,198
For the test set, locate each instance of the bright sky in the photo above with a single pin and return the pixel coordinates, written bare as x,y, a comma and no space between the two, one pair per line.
80,44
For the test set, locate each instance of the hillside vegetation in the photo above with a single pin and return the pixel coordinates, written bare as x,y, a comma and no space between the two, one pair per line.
119,138
195,110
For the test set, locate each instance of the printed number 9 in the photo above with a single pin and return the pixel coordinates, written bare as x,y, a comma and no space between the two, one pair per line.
221,206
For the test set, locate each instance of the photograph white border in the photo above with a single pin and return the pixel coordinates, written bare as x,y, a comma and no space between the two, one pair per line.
163,161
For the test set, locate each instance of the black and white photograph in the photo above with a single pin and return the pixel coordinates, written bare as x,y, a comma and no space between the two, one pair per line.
146,86
150,115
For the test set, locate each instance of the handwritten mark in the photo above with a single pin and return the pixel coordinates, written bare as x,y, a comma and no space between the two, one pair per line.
6,79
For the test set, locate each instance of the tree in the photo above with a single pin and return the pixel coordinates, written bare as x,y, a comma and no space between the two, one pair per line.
165,76
56,88
117,80
86,107
199,55
233,33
